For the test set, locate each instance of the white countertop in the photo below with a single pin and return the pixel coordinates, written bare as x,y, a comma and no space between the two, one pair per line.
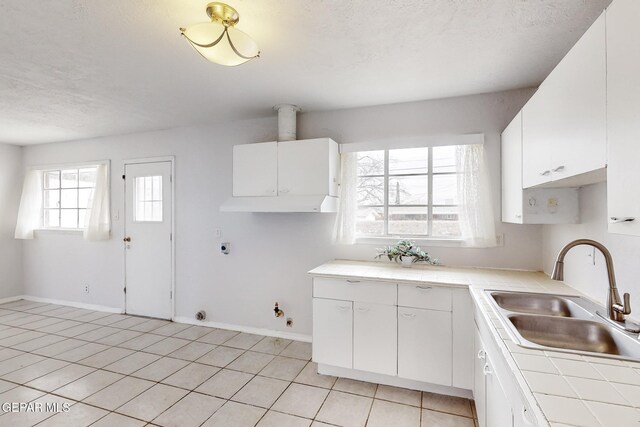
568,389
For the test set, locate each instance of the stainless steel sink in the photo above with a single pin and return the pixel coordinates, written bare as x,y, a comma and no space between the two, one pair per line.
562,323
572,334
548,305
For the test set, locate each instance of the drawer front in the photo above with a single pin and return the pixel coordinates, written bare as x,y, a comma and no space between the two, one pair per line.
425,296
355,290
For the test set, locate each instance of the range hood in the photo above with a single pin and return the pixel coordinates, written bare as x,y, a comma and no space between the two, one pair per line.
287,175
317,203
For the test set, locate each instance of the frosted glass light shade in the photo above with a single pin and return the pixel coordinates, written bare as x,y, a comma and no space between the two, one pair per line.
224,45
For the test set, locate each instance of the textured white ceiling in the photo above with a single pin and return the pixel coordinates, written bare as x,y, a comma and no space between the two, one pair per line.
74,69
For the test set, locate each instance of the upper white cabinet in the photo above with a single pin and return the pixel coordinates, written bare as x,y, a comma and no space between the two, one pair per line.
564,124
292,168
308,167
532,205
255,170
623,96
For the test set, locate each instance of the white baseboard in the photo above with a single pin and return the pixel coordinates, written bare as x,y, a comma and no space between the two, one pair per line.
11,299
393,381
247,329
95,307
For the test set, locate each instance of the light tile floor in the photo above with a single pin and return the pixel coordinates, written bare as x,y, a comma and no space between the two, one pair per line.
119,370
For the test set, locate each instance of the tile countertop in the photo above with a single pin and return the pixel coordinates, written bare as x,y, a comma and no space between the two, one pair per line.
565,389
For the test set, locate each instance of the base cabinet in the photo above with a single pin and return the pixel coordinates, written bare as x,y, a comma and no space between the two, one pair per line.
492,403
425,345
332,332
413,334
375,338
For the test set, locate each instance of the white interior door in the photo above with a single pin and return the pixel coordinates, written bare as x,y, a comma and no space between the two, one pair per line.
148,239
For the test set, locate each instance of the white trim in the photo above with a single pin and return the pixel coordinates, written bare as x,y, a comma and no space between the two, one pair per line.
413,142
86,306
77,231
247,329
11,299
56,166
160,159
391,240
393,381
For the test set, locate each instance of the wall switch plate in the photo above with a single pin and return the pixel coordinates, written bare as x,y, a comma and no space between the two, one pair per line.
218,233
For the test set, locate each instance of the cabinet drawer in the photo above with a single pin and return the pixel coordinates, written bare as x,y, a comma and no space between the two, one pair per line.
424,296
355,290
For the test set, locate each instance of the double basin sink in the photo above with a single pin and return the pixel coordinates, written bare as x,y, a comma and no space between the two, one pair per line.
562,323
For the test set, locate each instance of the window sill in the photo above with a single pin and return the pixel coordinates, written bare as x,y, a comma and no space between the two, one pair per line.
435,242
71,231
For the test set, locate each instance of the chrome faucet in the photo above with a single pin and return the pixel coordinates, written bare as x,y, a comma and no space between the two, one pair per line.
616,311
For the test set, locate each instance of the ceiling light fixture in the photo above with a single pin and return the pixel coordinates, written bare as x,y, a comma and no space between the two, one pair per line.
219,41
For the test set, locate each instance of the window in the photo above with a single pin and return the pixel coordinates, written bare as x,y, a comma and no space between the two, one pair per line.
409,192
148,199
66,196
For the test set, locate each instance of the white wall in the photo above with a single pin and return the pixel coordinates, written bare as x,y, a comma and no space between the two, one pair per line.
580,270
270,253
10,249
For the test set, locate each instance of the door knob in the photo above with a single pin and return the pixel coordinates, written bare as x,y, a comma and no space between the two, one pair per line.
127,239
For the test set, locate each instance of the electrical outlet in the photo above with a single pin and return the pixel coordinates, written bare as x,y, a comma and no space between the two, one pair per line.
289,322
500,240
86,289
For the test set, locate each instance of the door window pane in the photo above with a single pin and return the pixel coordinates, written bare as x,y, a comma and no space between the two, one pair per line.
148,199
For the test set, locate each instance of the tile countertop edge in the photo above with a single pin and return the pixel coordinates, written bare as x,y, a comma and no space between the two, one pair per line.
478,280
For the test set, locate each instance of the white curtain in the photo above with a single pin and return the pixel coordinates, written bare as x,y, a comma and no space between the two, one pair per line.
98,223
477,222
29,214
344,230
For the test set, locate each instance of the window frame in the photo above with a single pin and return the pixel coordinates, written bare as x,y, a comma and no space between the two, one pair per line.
59,169
387,237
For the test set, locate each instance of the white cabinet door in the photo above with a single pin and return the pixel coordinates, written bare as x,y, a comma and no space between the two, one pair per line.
623,173
564,123
578,130
479,386
512,171
308,167
498,408
333,332
425,345
255,169
536,147
375,338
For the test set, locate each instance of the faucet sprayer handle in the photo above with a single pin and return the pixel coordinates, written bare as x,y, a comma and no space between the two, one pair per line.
626,308
627,303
